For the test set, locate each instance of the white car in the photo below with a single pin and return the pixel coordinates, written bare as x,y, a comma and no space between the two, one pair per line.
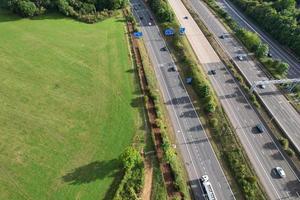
262,86
150,23
240,57
280,172
204,178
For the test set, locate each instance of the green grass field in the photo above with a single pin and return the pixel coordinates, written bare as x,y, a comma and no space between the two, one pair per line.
68,107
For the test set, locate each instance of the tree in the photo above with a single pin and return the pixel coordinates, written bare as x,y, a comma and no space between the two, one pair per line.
282,68
281,5
130,157
262,50
27,8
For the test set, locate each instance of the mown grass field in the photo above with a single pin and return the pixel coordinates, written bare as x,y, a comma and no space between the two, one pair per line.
68,107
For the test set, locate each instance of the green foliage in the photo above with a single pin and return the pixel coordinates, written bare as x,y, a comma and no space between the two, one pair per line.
290,152
279,19
284,142
262,50
250,39
276,67
214,122
130,158
24,8
241,172
133,180
162,10
88,11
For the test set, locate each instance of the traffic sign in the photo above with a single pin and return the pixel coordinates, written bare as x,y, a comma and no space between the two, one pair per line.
137,34
182,30
169,32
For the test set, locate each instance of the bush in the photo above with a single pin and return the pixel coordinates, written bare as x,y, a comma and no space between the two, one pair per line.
133,180
162,10
87,11
284,142
213,122
290,152
24,8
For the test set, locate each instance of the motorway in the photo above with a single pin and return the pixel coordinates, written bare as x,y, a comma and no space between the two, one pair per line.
261,149
276,50
195,148
282,111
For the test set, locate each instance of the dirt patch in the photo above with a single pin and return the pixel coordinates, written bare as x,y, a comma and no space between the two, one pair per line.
146,194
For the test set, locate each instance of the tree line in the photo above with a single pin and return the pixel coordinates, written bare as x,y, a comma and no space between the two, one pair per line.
280,18
85,10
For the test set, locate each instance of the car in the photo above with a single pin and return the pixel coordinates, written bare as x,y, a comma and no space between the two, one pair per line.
269,55
280,172
204,178
240,57
149,23
151,18
222,37
213,71
163,49
259,128
173,69
139,4
141,18
262,86
185,17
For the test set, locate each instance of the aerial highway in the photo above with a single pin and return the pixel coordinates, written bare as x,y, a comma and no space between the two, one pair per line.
277,105
276,49
262,150
195,148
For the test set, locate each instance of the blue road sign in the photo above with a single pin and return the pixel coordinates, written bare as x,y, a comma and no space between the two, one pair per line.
169,32
137,34
182,30
189,80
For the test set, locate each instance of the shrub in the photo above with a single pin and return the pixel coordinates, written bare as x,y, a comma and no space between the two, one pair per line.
133,179
213,122
290,152
284,142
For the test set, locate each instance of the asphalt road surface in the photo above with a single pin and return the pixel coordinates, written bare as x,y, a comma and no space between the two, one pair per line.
276,49
261,149
195,148
282,111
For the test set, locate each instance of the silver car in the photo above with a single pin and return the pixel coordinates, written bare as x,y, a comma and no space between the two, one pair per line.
280,172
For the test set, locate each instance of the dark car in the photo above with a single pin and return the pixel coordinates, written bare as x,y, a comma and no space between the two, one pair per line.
141,18
259,128
151,18
172,69
213,71
269,55
185,17
163,49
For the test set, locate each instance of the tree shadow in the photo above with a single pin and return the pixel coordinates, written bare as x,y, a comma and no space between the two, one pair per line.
7,16
91,172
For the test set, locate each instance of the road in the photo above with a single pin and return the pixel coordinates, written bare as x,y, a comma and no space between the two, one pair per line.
195,148
261,149
282,111
275,48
